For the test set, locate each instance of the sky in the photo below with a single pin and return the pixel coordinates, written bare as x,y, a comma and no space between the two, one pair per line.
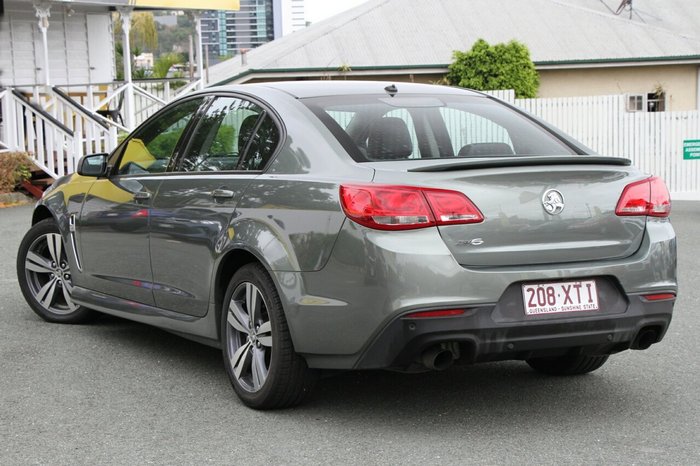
317,10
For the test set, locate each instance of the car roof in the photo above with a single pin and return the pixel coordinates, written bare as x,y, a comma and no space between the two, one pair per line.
305,89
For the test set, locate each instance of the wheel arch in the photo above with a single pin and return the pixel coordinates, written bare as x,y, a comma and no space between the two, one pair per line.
229,264
41,213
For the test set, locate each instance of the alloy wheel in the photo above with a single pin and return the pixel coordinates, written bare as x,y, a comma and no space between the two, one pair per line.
249,337
48,274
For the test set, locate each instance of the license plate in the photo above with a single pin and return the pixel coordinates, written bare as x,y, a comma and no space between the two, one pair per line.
551,298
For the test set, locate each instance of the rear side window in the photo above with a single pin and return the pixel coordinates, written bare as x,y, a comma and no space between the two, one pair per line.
233,134
407,127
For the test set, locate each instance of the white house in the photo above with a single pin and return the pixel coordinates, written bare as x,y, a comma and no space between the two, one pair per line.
58,94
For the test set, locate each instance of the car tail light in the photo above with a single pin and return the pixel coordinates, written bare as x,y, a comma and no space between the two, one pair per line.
646,197
433,314
389,207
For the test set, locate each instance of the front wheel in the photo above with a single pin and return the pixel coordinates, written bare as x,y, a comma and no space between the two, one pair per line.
44,275
258,353
567,365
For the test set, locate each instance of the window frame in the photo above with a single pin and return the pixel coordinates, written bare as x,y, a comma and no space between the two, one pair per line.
267,110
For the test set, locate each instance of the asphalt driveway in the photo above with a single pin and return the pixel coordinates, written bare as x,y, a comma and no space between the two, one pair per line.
116,392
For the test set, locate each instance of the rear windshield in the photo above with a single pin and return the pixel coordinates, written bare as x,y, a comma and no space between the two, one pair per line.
382,128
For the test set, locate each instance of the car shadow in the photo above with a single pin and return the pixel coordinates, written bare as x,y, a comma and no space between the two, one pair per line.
491,393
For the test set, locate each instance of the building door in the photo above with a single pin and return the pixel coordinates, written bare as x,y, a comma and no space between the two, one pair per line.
100,48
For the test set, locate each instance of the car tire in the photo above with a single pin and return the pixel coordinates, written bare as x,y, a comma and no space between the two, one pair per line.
259,356
567,365
44,275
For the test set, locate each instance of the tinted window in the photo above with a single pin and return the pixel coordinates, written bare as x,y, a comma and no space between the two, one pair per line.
262,144
233,134
152,146
422,127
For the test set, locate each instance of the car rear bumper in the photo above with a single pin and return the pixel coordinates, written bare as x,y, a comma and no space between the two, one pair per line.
340,316
476,336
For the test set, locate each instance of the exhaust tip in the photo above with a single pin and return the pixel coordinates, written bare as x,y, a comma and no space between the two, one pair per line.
645,338
437,358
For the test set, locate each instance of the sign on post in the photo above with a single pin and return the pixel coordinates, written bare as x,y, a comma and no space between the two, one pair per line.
691,149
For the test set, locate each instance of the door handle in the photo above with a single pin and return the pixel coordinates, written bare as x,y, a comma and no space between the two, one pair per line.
142,196
222,194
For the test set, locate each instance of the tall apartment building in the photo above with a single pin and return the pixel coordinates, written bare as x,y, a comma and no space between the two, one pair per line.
291,17
256,22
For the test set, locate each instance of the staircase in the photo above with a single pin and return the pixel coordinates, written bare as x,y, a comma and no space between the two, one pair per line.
54,140
56,130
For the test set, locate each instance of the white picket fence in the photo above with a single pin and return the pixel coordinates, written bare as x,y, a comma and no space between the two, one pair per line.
654,141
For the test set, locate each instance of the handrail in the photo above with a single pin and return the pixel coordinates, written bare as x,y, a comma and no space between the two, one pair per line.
135,81
109,98
188,88
149,95
79,108
24,101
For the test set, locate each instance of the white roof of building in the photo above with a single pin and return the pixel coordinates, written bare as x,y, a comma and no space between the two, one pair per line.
421,33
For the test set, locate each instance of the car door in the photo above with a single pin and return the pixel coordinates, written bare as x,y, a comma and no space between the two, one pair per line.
230,145
113,227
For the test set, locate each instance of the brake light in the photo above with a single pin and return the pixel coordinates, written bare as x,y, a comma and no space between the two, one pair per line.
389,207
646,197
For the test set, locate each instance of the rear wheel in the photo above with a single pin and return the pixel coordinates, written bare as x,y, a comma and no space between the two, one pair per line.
258,353
44,275
567,365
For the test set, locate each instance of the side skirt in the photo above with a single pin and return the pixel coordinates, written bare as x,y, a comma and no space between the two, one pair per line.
200,329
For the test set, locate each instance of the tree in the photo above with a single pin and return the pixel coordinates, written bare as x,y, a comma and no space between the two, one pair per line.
143,35
164,63
143,32
492,67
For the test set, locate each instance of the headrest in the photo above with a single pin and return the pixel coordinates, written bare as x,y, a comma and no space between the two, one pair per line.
389,139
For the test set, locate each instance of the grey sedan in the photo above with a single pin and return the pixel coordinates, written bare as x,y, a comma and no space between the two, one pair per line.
309,226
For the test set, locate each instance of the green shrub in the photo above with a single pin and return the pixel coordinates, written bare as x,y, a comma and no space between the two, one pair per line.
14,168
493,67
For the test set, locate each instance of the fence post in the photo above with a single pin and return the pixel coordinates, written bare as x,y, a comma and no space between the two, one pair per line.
9,135
112,144
77,148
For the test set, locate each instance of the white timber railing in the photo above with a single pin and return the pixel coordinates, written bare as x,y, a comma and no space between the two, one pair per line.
26,127
58,125
146,98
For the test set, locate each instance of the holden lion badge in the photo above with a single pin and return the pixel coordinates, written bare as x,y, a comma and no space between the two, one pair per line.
553,202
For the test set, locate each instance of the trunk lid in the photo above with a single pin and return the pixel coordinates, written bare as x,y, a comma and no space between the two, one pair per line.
514,199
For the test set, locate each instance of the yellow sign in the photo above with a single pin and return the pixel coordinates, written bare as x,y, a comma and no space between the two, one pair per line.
188,4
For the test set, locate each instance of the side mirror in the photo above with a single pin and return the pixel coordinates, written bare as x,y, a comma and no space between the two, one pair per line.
93,165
